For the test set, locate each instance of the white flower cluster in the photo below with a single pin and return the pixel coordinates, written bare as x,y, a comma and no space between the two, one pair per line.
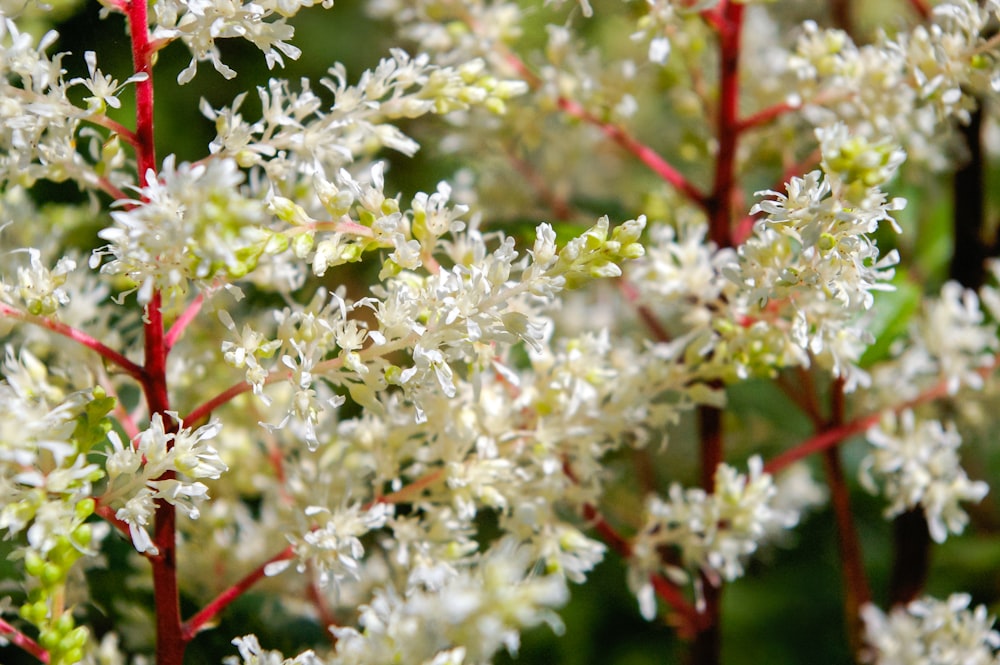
190,222
465,617
451,316
38,124
795,291
38,421
469,615
917,465
39,290
296,137
950,340
334,546
900,87
455,32
145,471
711,533
198,24
932,632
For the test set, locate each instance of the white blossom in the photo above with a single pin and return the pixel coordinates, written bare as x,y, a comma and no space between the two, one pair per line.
917,464
930,631
713,533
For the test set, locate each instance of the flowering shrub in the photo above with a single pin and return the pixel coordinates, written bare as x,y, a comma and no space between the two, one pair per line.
418,427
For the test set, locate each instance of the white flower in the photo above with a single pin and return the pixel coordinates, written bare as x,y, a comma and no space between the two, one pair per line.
931,632
190,222
103,88
334,546
954,334
714,533
136,512
917,465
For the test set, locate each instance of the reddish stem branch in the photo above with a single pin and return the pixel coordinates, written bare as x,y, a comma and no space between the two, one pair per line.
169,639
121,130
764,116
826,439
690,619
648,317
608,533
182,322
857,591
19,639
107,513
643,152
112,356
835,435
203,411
707,646
142,51
555,202
193,625
111,190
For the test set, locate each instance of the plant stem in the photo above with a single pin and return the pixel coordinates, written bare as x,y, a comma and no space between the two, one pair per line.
182,322
971,248
729,24
911,556
138,22
922,8
835,435
110,355
21,640
707,646
640,150
643,152
857,591
220,602
170,642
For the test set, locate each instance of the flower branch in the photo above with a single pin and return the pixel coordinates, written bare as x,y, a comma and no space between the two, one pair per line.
78,336
199,621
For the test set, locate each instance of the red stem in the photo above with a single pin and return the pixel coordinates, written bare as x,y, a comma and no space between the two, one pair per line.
857,591
835,435
203,411
19,639
706,649
182,322
121,130
821,441
648,317
170,642
112,356
608,533
720,202
764,116
142,51
643,152
690,619
108,514
220,602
